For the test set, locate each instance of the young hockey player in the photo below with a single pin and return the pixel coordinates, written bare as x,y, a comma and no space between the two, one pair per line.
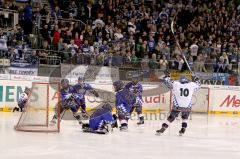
22,100
182,100
81,88
101,121
123,104
69,100
136,90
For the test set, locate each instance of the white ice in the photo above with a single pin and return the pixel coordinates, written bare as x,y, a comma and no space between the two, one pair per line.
207,137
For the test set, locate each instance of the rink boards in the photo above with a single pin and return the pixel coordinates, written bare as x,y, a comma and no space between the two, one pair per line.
211,99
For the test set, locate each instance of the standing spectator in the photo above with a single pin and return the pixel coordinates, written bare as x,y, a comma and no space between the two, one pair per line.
44,10
151,46
45,33
194,50
56,36
28,13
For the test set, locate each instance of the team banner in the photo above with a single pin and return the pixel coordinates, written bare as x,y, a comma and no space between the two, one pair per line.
90,73
23,71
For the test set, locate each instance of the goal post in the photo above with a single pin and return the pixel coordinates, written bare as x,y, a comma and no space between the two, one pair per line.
41,106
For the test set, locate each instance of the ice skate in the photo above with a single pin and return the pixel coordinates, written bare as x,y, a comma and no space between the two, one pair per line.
123,127
182,131
160,131
141,121
15,109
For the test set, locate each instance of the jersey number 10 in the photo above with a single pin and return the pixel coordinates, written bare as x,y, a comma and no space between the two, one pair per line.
184,92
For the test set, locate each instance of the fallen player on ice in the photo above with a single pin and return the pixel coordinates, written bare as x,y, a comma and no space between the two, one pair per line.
102,121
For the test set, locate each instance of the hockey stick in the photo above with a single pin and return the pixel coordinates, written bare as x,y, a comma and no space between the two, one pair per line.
179,47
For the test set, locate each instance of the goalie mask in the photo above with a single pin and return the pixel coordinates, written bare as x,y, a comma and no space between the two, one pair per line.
183,79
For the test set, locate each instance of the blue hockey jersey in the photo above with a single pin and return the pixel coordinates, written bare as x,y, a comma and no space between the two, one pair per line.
100,117
123,101
136,91
82,89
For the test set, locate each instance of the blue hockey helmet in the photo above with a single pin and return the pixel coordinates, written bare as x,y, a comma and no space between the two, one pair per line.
135,77
81,78
118,85
183,79
107,106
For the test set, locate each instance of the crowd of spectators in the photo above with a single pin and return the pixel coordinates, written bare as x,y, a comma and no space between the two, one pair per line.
132,33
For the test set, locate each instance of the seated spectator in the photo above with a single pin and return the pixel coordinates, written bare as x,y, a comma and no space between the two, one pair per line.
72,47
163,63
57,13
140,49
104,47
118,35
73,10
151,46
117,59
33,58
199,64
78,39
85,47
177,63
134,59
65,53
153,64
221,66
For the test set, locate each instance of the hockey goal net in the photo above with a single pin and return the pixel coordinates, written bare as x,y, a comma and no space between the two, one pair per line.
40,109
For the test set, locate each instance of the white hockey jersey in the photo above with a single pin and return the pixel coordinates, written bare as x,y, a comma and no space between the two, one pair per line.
182,93
22,100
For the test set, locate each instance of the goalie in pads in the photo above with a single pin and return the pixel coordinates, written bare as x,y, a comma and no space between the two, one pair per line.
101,121
182,100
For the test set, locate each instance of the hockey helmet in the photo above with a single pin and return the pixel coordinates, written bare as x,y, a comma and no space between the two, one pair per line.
81,79
135,77
107,106
183,79
27,90
64,83
118,85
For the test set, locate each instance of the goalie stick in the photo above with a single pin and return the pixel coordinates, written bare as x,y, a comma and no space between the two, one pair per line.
179,47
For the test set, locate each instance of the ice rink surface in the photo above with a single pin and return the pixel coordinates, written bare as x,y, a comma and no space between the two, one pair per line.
207,137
